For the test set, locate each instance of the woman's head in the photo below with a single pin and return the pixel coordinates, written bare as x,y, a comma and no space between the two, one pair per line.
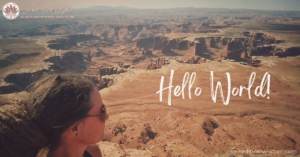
18,135
60,104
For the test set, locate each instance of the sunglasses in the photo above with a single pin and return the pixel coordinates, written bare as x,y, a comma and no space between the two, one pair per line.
103,113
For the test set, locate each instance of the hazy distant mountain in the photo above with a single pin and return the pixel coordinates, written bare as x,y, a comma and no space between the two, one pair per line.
108,8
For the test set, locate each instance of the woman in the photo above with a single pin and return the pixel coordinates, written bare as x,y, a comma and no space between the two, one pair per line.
70,113
19,137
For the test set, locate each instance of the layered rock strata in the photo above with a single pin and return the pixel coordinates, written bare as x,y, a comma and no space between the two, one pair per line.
58,62
69,41
259,44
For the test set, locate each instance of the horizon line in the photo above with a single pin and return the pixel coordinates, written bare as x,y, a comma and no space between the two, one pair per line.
179,8
182,8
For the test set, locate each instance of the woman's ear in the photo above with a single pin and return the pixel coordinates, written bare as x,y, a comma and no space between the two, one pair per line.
74,128
77,127
72,131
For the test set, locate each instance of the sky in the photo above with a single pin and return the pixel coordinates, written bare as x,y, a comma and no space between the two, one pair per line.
162,4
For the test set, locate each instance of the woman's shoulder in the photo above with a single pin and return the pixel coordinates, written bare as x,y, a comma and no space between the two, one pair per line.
94,150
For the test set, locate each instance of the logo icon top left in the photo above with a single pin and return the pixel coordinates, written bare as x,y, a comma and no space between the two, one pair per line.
11,10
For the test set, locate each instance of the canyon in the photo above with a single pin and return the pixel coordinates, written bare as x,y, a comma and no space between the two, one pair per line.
126,51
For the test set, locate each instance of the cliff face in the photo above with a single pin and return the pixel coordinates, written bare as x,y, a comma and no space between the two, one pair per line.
292,51
67,42
263,50
22,79
59,62
259,39
261,46
110,71
233,46
200,47
10,59
163,43
4,62
236,44
70,61
284,52
120,68
236,48
8,88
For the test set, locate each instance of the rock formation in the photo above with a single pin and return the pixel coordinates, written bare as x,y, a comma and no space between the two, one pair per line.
99,53
10,59
269,50
99,82
158,63
200,47
146,52
4,62
58,62
6,88
67,42
266,50
254,62
123,65
71,61
236,48
292,51
196,60
163,43
110,71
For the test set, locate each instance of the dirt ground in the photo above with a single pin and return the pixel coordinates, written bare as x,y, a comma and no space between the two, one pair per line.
198,126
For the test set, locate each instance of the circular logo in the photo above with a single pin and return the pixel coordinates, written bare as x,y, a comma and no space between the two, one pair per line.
11,10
